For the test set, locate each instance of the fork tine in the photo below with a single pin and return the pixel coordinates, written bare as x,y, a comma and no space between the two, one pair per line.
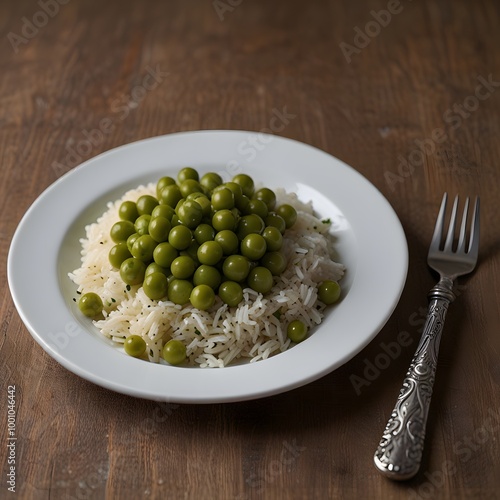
451,230
474,232
438,228
463,228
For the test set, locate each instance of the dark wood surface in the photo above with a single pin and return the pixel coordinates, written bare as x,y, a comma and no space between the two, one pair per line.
227,65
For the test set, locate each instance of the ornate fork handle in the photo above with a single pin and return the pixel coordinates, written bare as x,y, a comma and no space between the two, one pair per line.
399,453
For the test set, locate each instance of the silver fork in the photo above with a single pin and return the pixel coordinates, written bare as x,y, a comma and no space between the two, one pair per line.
399,452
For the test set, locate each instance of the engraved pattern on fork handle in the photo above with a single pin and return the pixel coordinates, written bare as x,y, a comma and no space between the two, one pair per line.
399,453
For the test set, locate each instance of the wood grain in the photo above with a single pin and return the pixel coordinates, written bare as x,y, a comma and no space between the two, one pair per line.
85,67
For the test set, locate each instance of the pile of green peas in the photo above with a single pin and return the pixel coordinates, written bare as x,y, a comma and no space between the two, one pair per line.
197,238
200,237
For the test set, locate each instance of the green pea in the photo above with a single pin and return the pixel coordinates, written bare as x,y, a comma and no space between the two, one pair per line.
165,211
228,241
275,262
174,352
222,198
159,228
182,267
236,267
118,254
131,240
204,232
192,252
329,292
207,275
132,271
164,254
259,208
273,237
155,268
260,279
143,248
237,214
170,195
224,219
180,237
163,183
189,186
190,214
237,191
135,346
121,230
155,286
179,205
275,220
243,205
246,183
202,297
296,331
146,204
179,291
209,253
253,246
203,201
90,304
231,293
187,173
175,221
142,224
288,213
267,196
249,224
210,181
128,211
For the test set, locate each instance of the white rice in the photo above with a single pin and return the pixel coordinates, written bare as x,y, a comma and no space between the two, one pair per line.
221,335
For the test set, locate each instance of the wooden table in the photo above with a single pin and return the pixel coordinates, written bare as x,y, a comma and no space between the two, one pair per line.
405,92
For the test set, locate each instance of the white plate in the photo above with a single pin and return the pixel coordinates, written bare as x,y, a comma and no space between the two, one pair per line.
370,242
